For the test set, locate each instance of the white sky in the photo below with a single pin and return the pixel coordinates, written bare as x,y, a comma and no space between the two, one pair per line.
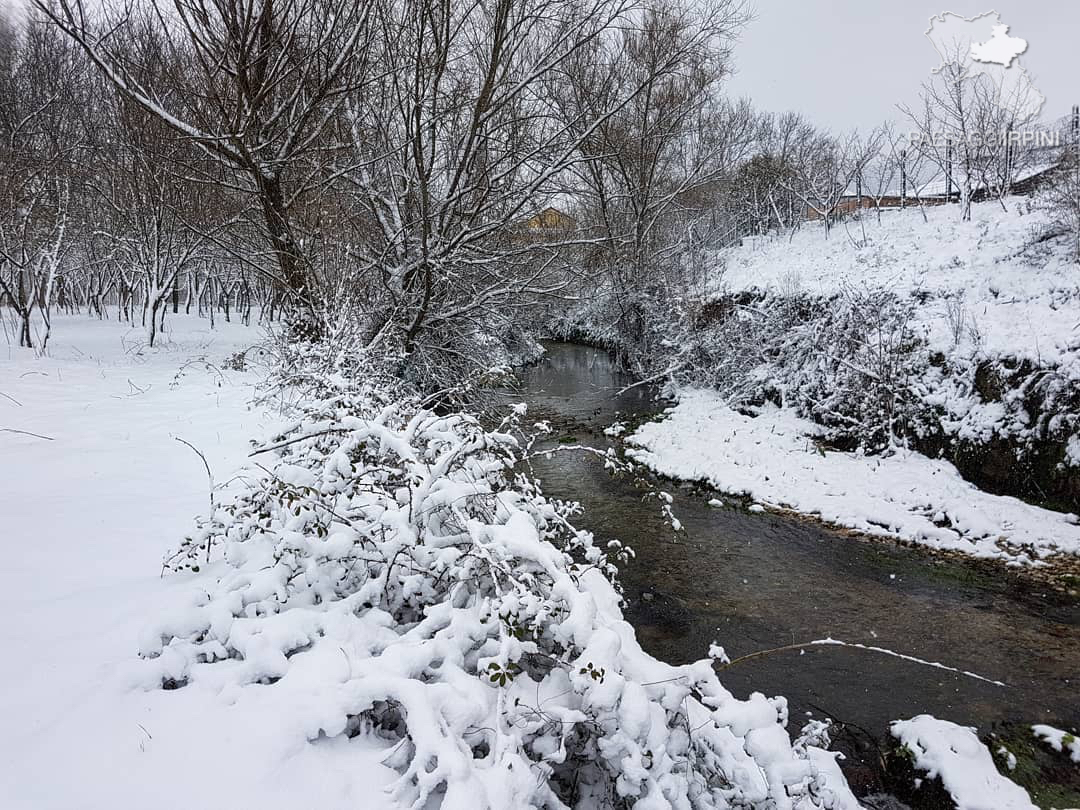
847,63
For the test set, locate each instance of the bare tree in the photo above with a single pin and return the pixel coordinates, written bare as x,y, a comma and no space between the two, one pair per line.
1006,113
880,176
146,206
647,168
826,169
37,142
263,79
759,198
969,125
1060,197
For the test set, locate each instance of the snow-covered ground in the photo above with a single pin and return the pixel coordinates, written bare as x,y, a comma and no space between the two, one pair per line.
102,473
1019,300
87,518
773,459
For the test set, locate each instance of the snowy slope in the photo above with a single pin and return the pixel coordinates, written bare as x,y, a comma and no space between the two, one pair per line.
90,515
1023,302
985,296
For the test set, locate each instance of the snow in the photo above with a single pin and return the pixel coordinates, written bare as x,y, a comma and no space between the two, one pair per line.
1010,757
964,765
263,677
1059,740
1020,307
975,298
88,518
772,458
836,787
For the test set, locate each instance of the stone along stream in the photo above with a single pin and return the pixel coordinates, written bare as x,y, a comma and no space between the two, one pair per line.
759,581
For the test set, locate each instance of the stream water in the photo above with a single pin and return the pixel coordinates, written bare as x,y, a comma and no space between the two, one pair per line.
759,581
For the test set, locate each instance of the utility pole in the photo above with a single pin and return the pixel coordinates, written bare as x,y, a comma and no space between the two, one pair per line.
1076,128
903,177
948,170
1009,157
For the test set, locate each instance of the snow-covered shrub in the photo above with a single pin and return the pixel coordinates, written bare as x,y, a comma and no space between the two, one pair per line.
863,366
1060,198
1058,739
985,397
848,361
939,749
387,571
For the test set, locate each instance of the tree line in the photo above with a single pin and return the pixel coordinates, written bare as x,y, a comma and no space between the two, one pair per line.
368,170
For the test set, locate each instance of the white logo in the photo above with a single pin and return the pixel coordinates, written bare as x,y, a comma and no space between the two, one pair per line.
981,46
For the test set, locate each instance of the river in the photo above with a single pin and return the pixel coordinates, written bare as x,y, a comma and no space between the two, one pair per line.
758,581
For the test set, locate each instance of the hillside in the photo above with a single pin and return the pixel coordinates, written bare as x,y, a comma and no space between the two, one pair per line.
1016,295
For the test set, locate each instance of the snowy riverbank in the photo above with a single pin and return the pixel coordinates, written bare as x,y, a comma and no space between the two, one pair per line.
774,459
867,378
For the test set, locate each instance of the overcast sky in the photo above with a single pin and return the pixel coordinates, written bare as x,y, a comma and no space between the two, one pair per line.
846,63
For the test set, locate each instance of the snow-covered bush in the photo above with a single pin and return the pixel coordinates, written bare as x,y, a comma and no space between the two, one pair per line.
1058,739
862,363
388,571
939,749
850,361
1060,198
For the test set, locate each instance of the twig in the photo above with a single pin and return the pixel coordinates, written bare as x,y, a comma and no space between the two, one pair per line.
326,432
832,642
654,378
27,433
8,396
210,478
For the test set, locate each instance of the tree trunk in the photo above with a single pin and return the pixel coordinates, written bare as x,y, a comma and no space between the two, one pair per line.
26,339
285,248
154,303
210,299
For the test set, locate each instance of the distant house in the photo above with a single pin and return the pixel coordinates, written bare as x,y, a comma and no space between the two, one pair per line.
930,189
550,219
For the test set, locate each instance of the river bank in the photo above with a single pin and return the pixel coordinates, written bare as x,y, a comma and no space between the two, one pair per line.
933,339
778,461
756,581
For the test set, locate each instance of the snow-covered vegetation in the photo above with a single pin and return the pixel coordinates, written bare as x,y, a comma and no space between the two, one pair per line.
386,571
837,361
1059,740
377,584
955,755
268,262
777,459
918,352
